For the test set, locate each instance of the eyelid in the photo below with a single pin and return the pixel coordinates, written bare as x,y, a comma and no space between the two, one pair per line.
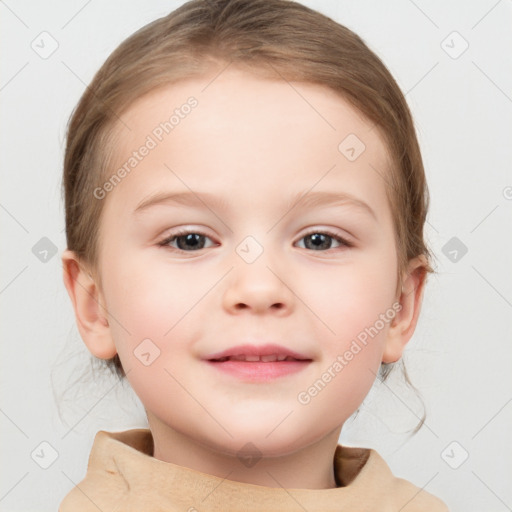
330,232
182,232
343,240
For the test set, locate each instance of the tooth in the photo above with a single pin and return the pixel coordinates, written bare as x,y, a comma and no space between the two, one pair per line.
270,358
281,358
237,358
252,358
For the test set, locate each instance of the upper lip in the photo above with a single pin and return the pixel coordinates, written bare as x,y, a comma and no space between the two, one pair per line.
258,350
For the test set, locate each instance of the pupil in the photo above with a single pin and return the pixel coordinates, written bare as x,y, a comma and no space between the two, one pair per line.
190,241
191,237
319,240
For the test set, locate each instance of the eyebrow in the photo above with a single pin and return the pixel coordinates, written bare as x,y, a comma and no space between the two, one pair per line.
301,200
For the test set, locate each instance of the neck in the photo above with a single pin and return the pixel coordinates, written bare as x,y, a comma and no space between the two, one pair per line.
310,467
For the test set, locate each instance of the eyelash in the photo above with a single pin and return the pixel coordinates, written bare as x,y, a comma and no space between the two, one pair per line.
167,240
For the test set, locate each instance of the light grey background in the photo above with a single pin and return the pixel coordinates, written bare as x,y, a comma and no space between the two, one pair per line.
460,356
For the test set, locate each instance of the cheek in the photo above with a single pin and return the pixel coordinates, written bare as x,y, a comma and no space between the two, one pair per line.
355,317
350,298
151,330
147,301
354,308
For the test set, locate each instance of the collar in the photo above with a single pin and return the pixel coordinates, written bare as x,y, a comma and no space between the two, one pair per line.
122,474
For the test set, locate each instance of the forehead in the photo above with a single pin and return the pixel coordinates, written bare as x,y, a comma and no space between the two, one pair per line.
247,135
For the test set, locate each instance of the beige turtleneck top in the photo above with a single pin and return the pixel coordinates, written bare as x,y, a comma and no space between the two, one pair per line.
123,476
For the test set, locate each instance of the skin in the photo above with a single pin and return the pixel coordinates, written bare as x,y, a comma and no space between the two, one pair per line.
254,142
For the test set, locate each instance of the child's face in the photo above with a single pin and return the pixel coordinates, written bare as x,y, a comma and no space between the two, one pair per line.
255,146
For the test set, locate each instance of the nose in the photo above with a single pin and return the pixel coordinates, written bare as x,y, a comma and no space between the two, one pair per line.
258,287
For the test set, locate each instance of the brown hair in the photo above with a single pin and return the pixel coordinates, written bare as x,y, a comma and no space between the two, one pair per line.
291,39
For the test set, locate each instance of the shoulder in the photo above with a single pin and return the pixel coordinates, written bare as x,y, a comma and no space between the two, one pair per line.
103,488
412,498
77,501
98,491
405,496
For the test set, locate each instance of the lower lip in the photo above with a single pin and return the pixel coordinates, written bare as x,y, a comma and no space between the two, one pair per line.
259,371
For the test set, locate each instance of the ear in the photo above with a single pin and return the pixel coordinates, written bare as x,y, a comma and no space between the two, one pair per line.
88,303
403,325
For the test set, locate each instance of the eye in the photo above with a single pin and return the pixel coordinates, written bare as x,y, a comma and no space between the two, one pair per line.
185,240
190,241
322,240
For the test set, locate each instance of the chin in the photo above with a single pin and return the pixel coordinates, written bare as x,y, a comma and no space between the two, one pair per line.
268,439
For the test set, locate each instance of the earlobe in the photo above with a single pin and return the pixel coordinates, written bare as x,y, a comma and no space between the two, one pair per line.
87,301
403,325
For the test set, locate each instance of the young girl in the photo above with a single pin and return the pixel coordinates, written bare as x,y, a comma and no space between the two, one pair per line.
245,201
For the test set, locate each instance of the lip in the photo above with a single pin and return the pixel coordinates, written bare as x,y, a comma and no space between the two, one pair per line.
258,350
258,371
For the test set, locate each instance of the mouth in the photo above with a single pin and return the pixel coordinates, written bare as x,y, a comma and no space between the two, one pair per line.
258,364
272,358
268,353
